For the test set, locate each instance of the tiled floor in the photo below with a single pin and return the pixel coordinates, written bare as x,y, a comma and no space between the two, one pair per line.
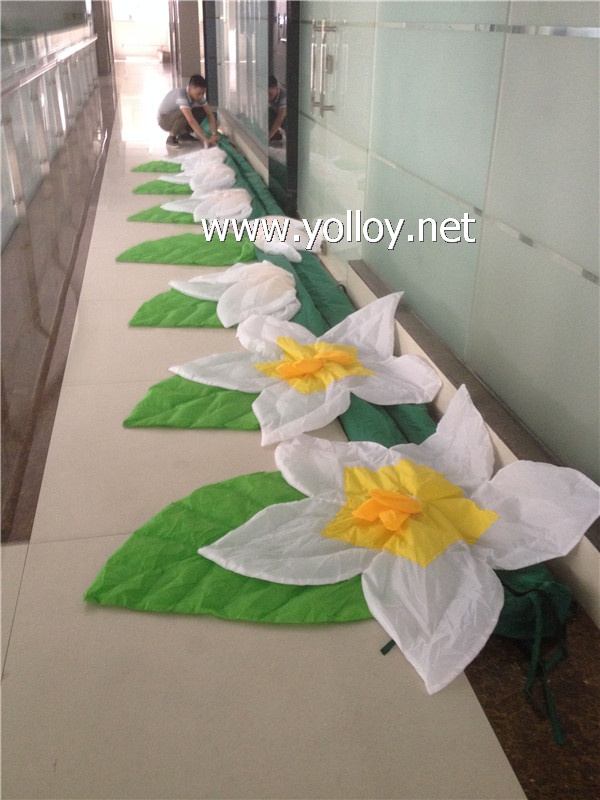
107,703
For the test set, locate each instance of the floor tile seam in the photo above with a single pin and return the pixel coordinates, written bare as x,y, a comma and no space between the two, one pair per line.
16,603
36,541
146,382
139,299
95,299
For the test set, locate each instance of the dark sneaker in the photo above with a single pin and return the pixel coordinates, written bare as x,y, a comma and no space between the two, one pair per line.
172,141
185,137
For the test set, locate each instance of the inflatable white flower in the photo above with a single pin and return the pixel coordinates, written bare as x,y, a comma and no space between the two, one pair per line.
425,525
215,175
221,204
295,240
191,161
204,177
305,382
244,290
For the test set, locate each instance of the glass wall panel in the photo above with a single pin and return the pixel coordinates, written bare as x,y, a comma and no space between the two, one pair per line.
334,141
39,111
24,128
50,113
437,110
242,44
8,211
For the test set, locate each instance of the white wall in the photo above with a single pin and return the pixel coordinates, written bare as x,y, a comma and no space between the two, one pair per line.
140,27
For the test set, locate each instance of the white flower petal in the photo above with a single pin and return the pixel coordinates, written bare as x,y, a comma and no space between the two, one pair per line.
440,615
244,290
544,511
370,329
191,161
227,370
211,286
185,204
284,412
316,466
224,204
272,296
210,177
283,543
295,239
200,291
264,289
407,379
242,271
259,333
461,447
276,247
174,177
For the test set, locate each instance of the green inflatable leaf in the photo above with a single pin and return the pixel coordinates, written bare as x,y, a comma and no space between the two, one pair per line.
158,214
173,309
158,186
179,403
192,249
158,166
158,568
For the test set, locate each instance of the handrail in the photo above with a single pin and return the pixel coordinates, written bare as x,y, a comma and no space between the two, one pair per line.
18,81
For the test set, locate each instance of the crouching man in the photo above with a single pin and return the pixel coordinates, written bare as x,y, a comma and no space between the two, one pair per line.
183,110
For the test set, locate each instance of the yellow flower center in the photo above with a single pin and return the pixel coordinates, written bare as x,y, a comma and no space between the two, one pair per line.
392,509
312,367
408,509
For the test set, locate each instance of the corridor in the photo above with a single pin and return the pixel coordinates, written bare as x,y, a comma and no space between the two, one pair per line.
110,703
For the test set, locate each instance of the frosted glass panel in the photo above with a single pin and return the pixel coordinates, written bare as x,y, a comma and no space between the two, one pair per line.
352,50
345,10
434,105
440,12
535,342
443,141
50,113
312,149
438,277
545,179
344,177
532,12
331,180
316,9
24,129
38,113
9,217
333,147
348,76
68,110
